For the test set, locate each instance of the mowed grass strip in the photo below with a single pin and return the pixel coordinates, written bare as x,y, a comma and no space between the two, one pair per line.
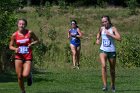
74,81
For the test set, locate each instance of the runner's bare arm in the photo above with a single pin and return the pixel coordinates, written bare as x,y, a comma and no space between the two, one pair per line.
98,36
116,34
80,33
34,38
11,45
69,34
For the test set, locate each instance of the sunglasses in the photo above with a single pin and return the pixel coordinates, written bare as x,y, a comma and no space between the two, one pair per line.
104,21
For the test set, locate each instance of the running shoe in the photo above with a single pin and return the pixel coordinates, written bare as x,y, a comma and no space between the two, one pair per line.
30,80
104,89
78,67
23,92
74,67
113,89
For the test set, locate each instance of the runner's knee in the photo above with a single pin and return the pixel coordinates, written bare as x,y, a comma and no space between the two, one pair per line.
74,53
25,74
19,76
104,66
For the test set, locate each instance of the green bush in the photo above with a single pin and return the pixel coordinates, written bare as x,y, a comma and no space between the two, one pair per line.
129,51
39,50
62,4
40,11
132,5
67,54
52,34
101,3
53,49
38,54
48,10
7,24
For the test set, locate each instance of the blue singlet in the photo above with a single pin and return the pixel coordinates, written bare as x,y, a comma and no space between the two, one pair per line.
74,40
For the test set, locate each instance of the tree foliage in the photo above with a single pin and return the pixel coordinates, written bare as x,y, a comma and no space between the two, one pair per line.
7,22
81,2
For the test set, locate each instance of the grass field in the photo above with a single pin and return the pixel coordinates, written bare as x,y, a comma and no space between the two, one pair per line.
58,76
70,80
89,21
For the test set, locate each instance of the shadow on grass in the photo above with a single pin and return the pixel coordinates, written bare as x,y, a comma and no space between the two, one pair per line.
129,90
124,76
37,76
56,92
43,76
7,77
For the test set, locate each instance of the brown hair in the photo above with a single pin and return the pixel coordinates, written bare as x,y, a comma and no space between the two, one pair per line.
108,18
22,20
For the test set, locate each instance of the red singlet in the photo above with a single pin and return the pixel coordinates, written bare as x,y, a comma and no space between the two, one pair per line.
22,42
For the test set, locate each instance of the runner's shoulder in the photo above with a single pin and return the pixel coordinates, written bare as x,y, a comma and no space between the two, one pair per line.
29,31
114,28
14,34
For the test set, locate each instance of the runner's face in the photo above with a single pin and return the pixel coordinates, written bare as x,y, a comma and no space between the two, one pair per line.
73,25
21,25
105,22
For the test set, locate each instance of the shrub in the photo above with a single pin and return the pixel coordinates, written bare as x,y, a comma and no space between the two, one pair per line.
101,3
129,51
39,50
52,34
40,11
132,5
48,10
7,24
38,53
62,4
53,49
67,53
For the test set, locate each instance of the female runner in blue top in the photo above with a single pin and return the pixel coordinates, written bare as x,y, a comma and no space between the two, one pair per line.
108,33
74,34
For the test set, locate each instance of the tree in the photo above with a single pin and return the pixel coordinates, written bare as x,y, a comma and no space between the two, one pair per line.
7,22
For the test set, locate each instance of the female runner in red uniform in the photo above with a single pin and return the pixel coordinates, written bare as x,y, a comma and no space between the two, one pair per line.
21,42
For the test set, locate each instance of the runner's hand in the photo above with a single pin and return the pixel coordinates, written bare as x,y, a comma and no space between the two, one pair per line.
17,50
29,45
107,33
98,41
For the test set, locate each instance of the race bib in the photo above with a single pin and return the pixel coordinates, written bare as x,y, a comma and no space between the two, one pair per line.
106,42
23,49
73,38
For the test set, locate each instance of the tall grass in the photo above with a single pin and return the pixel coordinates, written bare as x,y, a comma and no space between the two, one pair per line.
58,52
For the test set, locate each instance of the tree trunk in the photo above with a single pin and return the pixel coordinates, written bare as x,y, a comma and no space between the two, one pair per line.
3,60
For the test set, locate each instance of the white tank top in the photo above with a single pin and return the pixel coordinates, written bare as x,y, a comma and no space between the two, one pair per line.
107,41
